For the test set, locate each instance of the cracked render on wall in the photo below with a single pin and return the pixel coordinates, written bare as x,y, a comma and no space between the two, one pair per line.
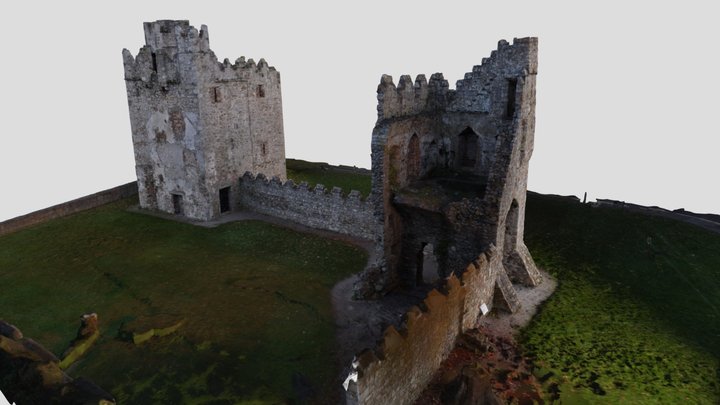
199,124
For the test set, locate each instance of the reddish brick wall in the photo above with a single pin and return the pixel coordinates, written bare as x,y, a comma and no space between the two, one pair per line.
67,208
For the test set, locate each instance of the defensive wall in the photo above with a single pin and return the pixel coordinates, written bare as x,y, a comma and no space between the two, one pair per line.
315,207
404,361
70,207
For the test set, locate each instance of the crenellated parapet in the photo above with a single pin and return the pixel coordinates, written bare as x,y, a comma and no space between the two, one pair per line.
474,93
410,98
176,52
483,89
316,207
405,359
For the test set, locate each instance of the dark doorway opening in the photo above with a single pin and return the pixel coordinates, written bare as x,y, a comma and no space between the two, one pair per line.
177,201
420,265
224,199
467,148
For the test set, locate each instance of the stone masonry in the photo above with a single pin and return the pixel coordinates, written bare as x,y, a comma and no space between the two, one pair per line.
314,207
198,124
449,180
450,169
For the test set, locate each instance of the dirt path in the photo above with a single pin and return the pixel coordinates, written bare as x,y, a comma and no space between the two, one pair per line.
507,325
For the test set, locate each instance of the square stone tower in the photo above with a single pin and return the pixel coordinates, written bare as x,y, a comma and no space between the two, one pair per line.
198,124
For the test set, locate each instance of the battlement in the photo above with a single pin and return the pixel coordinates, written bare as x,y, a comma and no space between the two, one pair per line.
316,207
176,52
353,196
176,34
406,357
473,93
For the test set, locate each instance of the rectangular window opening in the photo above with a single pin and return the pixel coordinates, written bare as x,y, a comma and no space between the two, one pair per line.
154,62
260,90
216,96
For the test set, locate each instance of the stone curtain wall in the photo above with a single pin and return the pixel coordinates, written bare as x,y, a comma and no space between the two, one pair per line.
70,207
313,207
405,360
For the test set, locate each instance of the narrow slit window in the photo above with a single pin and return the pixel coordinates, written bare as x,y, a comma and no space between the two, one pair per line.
260,90
510,109
154,62
216,96
263,148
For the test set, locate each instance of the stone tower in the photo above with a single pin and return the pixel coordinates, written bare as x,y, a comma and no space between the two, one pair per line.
450,170
198,124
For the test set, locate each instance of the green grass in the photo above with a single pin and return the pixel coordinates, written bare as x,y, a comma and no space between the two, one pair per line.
635,318
255,298
329,176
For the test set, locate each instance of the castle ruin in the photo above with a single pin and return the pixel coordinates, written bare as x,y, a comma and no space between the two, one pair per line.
450,169
449,179
199,124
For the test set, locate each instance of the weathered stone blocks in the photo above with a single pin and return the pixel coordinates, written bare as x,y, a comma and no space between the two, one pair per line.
199,124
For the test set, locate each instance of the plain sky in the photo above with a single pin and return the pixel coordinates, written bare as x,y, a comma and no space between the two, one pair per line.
627,91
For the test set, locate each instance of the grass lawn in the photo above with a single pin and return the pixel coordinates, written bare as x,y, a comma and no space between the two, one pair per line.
636,316
255,299
329,176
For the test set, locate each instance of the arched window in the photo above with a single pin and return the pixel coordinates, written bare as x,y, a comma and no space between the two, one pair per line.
413,158
467,148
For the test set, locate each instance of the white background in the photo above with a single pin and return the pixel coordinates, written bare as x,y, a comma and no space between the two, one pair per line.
626,104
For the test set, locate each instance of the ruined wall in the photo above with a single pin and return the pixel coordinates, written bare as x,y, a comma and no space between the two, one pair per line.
313,207
199,124
479,136
405,360
71,207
